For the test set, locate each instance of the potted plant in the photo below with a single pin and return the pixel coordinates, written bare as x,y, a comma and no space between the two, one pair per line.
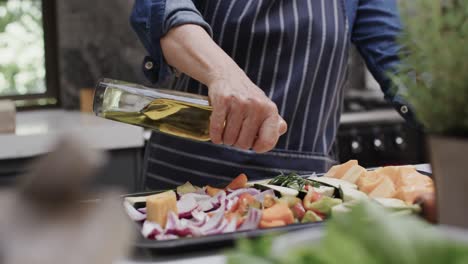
434,75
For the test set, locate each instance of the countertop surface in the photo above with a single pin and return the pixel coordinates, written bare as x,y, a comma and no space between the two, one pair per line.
218,257
36,132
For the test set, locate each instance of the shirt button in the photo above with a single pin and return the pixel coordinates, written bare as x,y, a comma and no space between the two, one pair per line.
404,109
149,65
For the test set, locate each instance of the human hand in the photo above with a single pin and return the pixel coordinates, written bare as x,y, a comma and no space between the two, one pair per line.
243,116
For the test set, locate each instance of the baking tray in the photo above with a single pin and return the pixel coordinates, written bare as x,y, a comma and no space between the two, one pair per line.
210,242
205,243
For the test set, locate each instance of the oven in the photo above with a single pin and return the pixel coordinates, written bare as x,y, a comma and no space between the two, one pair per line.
371,131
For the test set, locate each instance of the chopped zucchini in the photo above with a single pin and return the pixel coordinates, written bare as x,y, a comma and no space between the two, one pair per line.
311,217
349,194
336,183
281,191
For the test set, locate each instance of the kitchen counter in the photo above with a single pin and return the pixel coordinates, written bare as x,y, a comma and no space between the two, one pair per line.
217,257
36,131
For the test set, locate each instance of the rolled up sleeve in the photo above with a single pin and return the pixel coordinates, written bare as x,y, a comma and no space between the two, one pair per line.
151,20
375,34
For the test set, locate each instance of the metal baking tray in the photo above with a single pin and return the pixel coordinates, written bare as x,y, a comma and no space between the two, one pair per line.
211,242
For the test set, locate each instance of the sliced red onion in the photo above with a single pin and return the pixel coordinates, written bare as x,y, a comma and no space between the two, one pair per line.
172,223
200,190
198,197
214,221
206,205
199,216
236,193
185,206
230,203
213,203
151,230
231,227
218,230
166,237
134,214
261,197
252,220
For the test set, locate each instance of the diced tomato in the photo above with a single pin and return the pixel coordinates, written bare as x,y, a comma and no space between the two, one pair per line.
298,211
270,224
238,183
212,191
279,211
311,196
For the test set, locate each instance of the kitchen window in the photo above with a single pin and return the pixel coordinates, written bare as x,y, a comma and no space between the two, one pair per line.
28,67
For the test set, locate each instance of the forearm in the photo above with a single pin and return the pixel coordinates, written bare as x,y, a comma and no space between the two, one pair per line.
190,49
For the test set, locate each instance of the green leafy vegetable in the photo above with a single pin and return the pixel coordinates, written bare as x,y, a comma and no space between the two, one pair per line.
366,235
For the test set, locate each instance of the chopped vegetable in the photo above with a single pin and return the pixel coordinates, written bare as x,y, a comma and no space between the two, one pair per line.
349,194
159,207
336,183
185,188
323,205
298,211
292,181
238,183
269,201
271,224
283,191
279,211
212,191
289,200
366,235
311,217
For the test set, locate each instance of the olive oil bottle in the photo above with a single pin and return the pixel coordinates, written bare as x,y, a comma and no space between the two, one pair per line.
171,112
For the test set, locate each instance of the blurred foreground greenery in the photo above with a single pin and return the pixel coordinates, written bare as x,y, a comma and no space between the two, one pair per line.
22,59
367,235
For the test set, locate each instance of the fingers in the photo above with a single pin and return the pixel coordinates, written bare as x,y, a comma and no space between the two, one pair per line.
234,123
244,117
217,120
268,134
283,127
248,132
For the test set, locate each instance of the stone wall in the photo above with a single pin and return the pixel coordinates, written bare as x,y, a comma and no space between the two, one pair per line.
95,40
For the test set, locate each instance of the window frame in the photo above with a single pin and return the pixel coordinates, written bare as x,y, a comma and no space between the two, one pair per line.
51,97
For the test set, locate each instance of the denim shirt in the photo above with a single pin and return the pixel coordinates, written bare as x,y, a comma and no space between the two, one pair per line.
375,25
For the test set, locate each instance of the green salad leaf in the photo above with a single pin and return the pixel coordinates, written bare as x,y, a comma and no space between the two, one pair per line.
368,235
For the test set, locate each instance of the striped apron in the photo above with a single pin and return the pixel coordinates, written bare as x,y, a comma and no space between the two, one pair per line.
296,51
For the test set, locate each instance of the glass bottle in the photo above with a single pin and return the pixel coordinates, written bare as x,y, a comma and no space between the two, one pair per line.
176,113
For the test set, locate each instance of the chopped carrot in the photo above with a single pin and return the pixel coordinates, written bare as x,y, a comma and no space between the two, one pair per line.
238,183
279,211
270,224
212,191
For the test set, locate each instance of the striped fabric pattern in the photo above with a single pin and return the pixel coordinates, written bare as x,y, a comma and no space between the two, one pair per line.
296,51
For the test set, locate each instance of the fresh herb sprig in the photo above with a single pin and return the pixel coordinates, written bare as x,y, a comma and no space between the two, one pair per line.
293,181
